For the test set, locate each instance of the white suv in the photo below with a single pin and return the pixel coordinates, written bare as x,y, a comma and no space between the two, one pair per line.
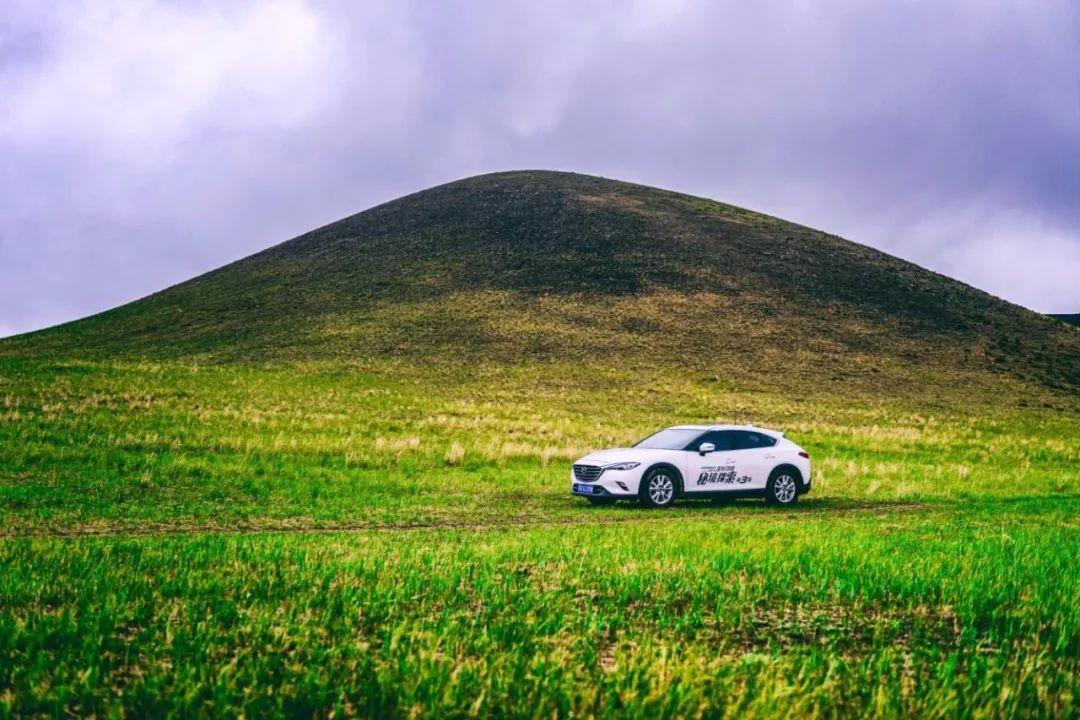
689,461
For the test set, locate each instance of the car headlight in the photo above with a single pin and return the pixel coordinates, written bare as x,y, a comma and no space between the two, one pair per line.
621,466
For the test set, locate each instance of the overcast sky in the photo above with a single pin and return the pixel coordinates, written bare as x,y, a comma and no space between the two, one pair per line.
145,142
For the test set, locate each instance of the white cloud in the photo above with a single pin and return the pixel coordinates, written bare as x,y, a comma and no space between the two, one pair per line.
146,142
1018,258
133,79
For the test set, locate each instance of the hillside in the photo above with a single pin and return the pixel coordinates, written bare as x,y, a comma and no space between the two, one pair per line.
548,266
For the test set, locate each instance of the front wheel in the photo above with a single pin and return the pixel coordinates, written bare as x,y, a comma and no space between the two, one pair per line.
782,488
658,488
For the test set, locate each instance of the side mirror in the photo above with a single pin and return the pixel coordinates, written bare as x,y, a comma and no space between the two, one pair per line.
706,448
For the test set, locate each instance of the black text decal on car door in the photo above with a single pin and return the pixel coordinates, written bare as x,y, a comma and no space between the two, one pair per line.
721,475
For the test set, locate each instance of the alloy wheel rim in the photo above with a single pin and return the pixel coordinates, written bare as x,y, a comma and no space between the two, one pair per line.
784,488
661,489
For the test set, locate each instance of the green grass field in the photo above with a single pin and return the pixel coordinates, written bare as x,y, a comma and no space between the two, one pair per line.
409,547
331,479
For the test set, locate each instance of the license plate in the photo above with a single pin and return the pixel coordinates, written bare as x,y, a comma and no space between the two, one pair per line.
582,488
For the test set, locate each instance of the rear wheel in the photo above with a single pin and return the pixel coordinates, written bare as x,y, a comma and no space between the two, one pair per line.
658,488
782,488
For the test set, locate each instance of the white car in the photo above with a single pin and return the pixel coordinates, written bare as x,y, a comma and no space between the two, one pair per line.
690,461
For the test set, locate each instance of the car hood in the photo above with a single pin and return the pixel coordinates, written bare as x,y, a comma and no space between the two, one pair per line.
614,455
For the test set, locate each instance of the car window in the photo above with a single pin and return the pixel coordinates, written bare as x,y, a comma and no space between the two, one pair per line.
722,439
670,439
749,440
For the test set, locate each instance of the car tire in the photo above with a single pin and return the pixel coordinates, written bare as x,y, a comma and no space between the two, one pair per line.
601,501
783,487
659,487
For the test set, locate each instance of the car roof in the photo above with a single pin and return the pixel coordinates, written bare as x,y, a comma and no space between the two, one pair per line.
704,428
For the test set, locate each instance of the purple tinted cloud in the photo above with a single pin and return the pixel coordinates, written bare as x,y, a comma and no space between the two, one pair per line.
145,143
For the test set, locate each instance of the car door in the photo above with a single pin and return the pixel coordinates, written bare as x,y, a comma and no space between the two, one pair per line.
755,457
714,471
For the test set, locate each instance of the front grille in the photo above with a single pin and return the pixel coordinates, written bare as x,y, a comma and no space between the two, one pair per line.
587,473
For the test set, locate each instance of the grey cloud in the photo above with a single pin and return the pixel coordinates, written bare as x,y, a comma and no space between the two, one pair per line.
944,132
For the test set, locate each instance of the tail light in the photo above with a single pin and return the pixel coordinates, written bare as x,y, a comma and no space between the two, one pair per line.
803,453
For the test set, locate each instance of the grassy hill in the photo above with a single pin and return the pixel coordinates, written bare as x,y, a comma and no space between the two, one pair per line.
330,480
544,266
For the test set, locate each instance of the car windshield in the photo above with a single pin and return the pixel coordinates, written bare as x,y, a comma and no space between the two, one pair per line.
670,439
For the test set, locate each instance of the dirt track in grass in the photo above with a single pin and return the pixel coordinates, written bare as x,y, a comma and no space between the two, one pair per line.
588,516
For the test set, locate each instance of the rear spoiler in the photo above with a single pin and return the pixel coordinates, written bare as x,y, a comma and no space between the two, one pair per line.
774,433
